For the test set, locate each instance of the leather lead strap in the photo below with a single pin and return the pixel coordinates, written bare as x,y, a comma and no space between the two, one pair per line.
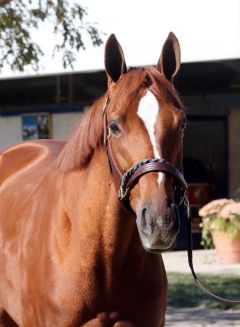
195,277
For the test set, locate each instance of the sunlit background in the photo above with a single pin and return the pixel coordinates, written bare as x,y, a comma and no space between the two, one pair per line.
208,82
207,30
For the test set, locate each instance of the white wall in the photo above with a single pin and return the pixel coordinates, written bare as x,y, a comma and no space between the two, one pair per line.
10,131
64,123
11,127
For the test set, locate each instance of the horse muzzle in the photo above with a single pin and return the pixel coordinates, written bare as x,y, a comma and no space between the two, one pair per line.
158,228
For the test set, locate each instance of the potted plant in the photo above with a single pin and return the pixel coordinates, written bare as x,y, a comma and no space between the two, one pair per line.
221,228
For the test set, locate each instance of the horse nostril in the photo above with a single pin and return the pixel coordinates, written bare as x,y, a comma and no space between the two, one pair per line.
147,220
148,215
143,216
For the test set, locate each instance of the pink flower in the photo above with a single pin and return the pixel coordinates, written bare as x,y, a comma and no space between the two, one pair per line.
214,207
230,211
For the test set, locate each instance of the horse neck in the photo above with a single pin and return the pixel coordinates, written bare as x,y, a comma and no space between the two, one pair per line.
107,228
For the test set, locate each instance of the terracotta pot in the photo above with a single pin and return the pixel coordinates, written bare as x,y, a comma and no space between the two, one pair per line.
228,250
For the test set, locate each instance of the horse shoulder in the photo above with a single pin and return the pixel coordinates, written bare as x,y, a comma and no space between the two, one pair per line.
27,155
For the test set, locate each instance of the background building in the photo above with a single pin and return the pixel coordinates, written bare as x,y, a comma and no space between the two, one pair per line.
210,91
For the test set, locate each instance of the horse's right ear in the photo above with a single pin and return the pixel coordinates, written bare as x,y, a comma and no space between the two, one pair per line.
170,59
114,59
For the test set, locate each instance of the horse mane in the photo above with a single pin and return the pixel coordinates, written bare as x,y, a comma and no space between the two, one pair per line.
87,137
79,149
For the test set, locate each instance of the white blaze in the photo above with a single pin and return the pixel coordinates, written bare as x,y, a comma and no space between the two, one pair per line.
148,110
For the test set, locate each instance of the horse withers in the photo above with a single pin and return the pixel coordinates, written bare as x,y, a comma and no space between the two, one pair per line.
79,219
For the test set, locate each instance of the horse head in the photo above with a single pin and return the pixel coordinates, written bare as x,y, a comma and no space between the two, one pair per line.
144,123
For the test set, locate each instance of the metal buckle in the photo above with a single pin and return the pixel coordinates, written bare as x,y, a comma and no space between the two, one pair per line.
122,193
186,206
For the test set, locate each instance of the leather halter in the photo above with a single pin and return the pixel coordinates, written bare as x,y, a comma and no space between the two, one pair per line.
127,180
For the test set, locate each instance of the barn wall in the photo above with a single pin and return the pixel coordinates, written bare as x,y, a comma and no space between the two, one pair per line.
64,123
11,127
10,131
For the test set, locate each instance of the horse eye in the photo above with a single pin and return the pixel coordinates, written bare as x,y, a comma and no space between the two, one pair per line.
114,128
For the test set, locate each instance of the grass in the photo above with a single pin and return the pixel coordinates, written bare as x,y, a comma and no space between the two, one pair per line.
183,292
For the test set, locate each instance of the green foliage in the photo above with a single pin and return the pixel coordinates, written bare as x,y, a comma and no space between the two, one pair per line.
207,241
231,226
18,18
183,291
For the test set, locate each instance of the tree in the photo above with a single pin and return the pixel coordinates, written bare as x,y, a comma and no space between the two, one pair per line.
19,18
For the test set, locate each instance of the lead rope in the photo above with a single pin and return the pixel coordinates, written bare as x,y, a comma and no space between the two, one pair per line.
190,259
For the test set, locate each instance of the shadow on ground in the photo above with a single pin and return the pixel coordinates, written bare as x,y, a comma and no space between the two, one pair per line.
201,317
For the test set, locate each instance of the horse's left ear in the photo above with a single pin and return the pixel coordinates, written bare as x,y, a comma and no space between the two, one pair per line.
170,59
114,59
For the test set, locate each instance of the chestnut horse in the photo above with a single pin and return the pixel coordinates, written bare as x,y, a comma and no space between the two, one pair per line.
72,253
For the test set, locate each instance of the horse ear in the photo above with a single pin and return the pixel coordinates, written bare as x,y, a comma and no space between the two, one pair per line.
170,59
114,59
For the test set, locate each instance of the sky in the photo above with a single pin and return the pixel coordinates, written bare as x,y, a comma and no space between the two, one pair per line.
206,29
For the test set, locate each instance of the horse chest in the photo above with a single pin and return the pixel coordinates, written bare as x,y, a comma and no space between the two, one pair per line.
122,301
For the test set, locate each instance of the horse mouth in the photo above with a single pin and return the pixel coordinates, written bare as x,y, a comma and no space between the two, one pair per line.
160,250
155,245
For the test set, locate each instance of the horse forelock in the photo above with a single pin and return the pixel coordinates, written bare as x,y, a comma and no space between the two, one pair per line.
88,136
149,78
164,87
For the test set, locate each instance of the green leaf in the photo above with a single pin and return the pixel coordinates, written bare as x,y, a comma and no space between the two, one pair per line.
67,19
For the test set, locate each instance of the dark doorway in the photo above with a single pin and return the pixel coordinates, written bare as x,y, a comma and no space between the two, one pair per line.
205,169
206,141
